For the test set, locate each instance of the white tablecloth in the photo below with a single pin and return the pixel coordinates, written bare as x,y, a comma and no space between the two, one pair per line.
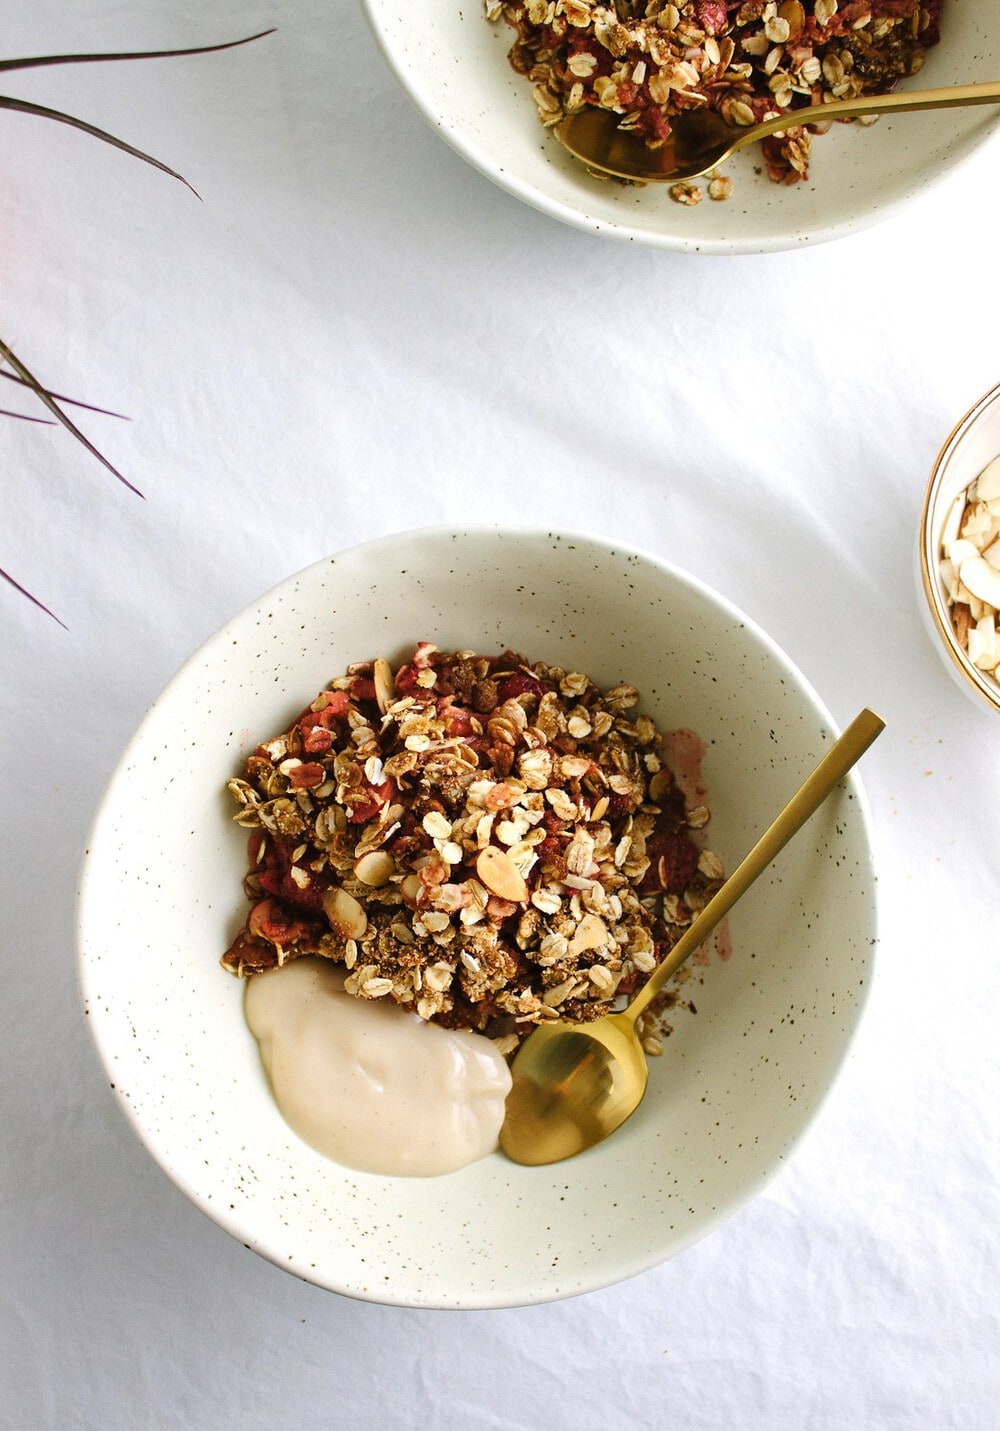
352,333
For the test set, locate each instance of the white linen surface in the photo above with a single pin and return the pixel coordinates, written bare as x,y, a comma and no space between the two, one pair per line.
353,333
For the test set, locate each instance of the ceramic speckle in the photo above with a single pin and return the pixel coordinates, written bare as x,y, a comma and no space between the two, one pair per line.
740,1078
453,65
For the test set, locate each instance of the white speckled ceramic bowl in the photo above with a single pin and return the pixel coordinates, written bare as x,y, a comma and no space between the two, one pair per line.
453,65
973,444
161,897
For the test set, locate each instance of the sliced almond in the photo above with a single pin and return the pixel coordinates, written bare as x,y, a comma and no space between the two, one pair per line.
962,618
344,914
553,997
385,685
591,933
982,579
499,874
977,523
982,649
953,523
410,890
375,868
962,551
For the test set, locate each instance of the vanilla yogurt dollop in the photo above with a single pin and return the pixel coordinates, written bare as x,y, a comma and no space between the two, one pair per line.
368,1084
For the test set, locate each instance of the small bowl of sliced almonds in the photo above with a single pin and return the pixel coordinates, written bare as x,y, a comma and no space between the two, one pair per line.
959,552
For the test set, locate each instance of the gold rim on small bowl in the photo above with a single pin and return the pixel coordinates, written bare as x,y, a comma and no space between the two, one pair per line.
966,451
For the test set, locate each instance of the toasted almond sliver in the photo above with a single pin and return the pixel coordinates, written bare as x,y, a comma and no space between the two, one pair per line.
591,933
385,686
410,889
553,997
344,914
499,874
376,868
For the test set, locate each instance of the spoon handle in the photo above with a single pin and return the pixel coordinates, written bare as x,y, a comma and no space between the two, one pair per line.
838,760
948,97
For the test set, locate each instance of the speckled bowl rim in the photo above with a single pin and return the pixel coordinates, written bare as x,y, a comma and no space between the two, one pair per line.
973,678
472,1297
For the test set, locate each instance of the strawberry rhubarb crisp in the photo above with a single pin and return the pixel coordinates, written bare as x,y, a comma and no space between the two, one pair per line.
488,842
647,60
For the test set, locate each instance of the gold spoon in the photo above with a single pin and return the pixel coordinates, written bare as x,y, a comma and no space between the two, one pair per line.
573,1084
700,139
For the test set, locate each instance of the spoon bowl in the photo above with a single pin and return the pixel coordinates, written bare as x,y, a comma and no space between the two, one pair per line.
700,139
574,1084
578,1083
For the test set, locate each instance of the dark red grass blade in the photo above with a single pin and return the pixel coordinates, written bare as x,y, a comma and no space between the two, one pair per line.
23,106
36,60
61,397
27,417
45,397
26,107
21,374
24,592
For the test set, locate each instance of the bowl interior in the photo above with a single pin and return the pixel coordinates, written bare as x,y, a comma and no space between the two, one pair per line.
453,65
972,445
741,1077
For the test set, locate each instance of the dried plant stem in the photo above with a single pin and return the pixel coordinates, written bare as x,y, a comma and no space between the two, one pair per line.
24,107
34,61
24,592
59,397
26,417
22,376
20,373
47,398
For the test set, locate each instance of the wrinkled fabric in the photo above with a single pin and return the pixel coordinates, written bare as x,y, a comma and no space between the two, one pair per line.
355,333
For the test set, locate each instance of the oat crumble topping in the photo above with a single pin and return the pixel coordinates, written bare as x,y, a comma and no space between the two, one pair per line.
749,59
489,842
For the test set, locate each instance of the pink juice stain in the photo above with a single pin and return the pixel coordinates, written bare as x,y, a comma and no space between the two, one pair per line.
685,752
723,942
